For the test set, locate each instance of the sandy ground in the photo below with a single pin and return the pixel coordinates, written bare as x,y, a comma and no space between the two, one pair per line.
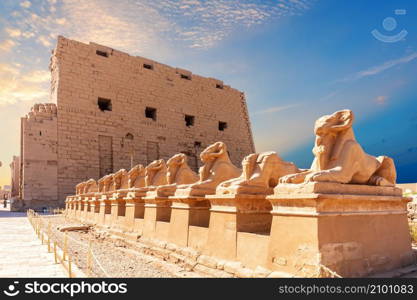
113,258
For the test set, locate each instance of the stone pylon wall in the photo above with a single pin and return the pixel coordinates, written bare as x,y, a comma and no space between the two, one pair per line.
82,73
39,160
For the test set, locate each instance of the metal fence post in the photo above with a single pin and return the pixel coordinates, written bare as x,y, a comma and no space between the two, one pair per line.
65,246
56,260
69,267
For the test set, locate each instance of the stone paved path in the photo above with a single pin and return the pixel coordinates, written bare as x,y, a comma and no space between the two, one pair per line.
21,252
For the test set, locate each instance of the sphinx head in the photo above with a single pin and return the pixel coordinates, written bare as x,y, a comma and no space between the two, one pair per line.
335,123
155,165
177,160
213,151
135,174
80,188
174,164
91,186
152,169
136,170
118,177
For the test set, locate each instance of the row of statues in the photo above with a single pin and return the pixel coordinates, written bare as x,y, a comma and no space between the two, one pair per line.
338,158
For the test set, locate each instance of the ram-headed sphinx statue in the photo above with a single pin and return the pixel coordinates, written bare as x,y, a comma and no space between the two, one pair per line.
216,168
340,158
260,175
178,173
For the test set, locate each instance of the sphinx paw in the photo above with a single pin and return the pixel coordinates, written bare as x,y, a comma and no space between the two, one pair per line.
286,179
380,181
314,177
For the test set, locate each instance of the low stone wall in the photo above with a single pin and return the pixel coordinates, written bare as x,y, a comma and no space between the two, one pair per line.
322,230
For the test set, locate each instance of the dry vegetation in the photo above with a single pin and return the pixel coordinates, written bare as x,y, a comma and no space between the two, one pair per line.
413,232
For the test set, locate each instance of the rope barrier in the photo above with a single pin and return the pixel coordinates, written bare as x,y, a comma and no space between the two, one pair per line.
37,223
99,264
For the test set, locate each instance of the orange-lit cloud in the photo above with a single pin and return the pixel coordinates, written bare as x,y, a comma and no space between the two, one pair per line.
7,45
16,85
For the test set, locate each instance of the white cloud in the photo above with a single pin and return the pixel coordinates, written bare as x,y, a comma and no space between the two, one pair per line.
25,4
9,69
126,26
37,76
205,23
44,41
143,26
61,21
28,34
375,70
13,32
381,100
387,65
155,29
7,45
17,86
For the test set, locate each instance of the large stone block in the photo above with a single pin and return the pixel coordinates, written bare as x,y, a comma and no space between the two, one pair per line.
323,229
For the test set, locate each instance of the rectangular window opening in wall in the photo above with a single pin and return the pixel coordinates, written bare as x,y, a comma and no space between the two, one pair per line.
148,66
150,113
219,86
197,144
102,53
222,126
187,77
189,120
104,104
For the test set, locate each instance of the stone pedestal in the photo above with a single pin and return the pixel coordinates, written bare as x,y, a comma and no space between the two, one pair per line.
157,209
86,208
324,229
80,207
73,205
185,212
94,209
118,208
67,204
105,210
231,214
135,214
135,210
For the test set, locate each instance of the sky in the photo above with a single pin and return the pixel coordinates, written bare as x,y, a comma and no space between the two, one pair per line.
296,60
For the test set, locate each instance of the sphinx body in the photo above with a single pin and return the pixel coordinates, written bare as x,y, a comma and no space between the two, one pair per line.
143,180
260,175
340,158
178,173
216,168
